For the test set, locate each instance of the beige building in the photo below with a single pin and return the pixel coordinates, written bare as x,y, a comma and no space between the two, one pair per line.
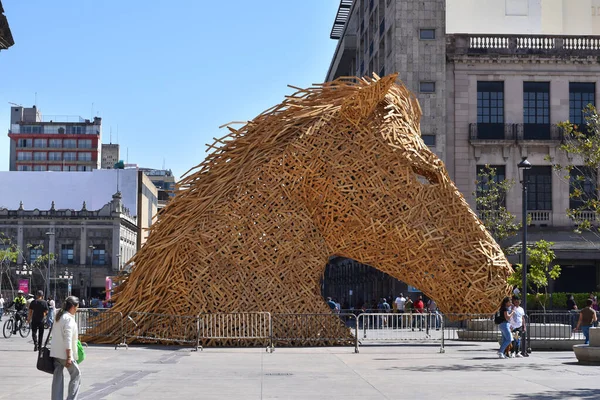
491,98
110,156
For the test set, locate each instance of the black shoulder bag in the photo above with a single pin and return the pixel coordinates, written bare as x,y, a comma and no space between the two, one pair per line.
45,363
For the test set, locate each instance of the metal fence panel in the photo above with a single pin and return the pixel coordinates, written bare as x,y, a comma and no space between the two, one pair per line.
235,326
100,323
151,327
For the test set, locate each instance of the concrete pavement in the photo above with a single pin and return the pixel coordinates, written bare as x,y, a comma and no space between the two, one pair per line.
465,371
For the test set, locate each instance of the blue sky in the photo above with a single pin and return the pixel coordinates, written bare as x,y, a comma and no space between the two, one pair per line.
164,73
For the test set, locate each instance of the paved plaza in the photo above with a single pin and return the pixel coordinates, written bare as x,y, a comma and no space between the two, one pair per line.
465,371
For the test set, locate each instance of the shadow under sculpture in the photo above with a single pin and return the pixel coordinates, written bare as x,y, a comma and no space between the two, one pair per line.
336,169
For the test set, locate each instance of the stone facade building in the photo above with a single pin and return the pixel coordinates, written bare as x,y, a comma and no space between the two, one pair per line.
489,99
110,155
90,245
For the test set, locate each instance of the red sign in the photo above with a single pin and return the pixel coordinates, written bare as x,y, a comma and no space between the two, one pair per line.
24,285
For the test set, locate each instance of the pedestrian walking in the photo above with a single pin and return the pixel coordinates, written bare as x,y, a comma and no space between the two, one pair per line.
1,306
587,317
64,350
594,301
419,309
572,307
517,325
400,303
505,316
38,309
51,311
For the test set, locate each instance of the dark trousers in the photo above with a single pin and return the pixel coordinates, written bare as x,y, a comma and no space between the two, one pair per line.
37,327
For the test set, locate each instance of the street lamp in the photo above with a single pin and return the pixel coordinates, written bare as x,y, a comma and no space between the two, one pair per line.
68,276
524,166
49,234
92,248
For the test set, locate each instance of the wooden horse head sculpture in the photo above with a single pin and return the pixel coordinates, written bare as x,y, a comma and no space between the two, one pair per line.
337,169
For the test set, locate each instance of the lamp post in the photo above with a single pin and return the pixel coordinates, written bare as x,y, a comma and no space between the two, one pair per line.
524,166
50,234
68,276
92,248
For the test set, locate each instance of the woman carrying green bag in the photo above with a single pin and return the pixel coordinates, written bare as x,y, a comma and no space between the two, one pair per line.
64,349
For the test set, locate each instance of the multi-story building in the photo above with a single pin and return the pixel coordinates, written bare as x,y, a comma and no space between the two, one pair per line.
110,155
6,38
87,245
68,191
48,144
494,78
164,181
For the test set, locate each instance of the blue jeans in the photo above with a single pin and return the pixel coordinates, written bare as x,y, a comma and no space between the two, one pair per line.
506,336
1,313
586,333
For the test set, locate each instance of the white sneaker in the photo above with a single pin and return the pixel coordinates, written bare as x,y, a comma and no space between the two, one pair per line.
519,355
512,355
501,355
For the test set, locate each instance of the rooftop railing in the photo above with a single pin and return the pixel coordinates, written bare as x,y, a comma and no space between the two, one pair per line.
474,44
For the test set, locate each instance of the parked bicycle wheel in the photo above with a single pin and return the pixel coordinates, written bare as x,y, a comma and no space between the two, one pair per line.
7,328
25,329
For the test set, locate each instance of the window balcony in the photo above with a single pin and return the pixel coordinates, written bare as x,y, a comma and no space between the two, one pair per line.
540,217
491,132
541,132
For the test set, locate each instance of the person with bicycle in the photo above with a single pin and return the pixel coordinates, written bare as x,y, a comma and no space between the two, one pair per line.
19,303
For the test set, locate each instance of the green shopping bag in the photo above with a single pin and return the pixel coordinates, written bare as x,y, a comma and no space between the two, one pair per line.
80,353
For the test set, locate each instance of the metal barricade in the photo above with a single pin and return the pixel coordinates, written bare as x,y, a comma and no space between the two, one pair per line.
100,323
163,328
401,327
311,329
471,327
554,330
242,326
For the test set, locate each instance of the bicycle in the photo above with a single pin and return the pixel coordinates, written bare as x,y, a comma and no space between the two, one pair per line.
23,328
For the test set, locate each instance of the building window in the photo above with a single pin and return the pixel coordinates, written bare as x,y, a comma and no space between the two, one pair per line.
39,167
580,96
83,168
70,143
427,87
429,140
490,110
39,156
34,254
70,156
54,168
85,156
54,156
23,167
536,110
55,143
75,130
31,129
67,254
427,34
85,144
24,156
483,174
40,143
539,187
69,168
99,255
25,143
583,187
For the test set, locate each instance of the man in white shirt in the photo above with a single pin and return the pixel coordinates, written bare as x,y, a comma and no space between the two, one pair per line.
400,302
517,324
1,306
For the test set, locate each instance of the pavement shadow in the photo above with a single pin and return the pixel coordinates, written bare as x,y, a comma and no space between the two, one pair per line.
582,394
479,367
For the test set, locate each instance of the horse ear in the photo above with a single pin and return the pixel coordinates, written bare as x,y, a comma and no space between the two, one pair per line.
369,93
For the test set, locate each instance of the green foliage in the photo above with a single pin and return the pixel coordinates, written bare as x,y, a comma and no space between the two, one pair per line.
582,144
8,251
490,199
540,257
119,165
559,300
